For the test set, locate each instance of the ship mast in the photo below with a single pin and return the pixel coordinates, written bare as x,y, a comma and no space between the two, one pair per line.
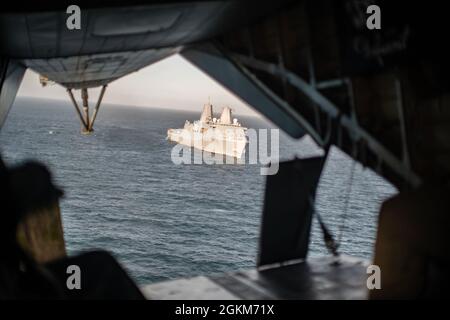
225,117
206,113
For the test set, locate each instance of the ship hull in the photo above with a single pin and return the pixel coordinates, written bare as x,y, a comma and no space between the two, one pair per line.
227,142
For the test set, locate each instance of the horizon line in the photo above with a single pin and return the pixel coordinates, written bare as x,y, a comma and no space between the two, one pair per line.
254,114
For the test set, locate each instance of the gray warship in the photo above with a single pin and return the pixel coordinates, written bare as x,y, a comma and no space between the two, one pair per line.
223,135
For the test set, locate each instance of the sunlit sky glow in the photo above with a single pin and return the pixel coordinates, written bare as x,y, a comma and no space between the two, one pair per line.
171,83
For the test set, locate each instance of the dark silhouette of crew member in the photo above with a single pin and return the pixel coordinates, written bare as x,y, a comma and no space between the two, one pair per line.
25,189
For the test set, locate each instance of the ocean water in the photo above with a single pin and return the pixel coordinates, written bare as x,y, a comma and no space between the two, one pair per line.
163,221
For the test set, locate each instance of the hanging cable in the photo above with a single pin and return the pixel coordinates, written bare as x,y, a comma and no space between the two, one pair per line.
330,243
328,238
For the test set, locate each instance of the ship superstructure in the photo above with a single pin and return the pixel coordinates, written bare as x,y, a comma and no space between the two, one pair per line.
223,135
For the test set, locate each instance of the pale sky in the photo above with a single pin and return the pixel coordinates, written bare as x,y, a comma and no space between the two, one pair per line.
173,83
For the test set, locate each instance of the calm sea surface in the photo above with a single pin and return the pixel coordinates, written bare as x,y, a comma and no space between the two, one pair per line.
160,220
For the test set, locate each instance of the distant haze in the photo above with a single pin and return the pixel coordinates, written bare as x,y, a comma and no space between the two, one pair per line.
171,83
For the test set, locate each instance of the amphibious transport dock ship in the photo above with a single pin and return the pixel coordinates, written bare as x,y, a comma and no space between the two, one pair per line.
219,136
